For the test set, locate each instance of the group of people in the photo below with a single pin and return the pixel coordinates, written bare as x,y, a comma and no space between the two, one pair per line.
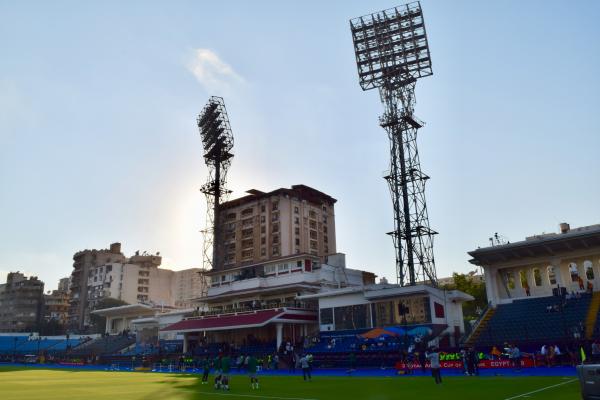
222,366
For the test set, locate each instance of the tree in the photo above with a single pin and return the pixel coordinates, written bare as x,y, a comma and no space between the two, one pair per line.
98,323
470,284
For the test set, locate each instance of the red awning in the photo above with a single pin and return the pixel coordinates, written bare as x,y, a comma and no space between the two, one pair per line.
231,321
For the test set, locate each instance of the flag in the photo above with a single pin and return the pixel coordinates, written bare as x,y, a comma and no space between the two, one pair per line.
583,357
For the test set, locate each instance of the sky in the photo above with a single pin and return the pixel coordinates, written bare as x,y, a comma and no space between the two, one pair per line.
98,140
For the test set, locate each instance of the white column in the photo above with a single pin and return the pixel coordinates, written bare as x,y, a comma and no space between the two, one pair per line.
109,321
558,273
279,328
491,284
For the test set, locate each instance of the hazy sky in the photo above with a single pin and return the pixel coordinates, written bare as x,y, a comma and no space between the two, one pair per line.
98,141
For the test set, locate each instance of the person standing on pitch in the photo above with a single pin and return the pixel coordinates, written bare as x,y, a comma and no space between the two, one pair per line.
304,364
205,370
434,358
252,365
226,367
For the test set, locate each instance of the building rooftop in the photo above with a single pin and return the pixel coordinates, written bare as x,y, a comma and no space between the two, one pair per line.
547,244
300,191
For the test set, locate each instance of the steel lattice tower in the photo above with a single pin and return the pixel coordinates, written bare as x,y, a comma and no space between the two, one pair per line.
217,141
391,54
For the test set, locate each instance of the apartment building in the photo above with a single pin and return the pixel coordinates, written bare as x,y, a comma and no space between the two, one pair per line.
187,285
269,225
21,300
134,280
56,304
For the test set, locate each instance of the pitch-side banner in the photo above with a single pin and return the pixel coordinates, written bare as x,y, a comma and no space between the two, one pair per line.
483,364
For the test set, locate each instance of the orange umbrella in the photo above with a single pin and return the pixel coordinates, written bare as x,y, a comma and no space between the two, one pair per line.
377,332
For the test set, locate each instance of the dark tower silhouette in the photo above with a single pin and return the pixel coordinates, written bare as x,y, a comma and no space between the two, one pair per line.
217,141
391,54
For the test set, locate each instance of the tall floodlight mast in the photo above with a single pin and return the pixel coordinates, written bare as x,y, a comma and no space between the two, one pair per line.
217,141
391,54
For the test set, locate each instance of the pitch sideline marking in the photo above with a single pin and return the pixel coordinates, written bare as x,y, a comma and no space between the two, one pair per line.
540,390
255,396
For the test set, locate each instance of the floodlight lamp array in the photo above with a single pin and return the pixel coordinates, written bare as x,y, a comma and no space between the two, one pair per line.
215,131
391,47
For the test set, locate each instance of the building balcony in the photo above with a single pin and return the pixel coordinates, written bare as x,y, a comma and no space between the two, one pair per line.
259,283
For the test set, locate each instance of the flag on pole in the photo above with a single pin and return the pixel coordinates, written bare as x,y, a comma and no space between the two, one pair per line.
583,357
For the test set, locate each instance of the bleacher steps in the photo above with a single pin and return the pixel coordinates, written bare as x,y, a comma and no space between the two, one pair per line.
489,313
592,315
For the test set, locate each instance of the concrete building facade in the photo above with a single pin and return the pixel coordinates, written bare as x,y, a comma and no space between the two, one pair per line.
21,301
134,280
542,264
268,225
56,304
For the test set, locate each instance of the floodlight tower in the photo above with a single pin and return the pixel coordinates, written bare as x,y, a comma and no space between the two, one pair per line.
217,141
391,54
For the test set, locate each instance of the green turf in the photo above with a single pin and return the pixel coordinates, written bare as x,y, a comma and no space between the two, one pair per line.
45,384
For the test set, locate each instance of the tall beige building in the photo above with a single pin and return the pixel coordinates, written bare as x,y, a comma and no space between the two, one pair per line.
188,284
266,226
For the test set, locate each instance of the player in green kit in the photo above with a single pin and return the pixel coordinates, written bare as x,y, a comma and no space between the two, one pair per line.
205,370
252,370
218,372
226,367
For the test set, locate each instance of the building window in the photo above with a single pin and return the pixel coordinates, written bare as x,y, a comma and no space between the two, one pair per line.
263,252
324,219
283,268
297,242
296,220
313,244
537,277
551,275
275,250
270,269
296,231
276,239
296,210
275,206
230,216
312,214
589,270
275,227
325,229
247,211
274,216
263,229
262,208
263,240
574,272
326,316
263,219
247,254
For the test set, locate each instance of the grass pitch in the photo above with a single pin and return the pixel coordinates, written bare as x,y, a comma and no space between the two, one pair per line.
48,384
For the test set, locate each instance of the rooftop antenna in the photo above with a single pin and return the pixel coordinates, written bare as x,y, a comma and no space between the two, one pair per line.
217,142
391,54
